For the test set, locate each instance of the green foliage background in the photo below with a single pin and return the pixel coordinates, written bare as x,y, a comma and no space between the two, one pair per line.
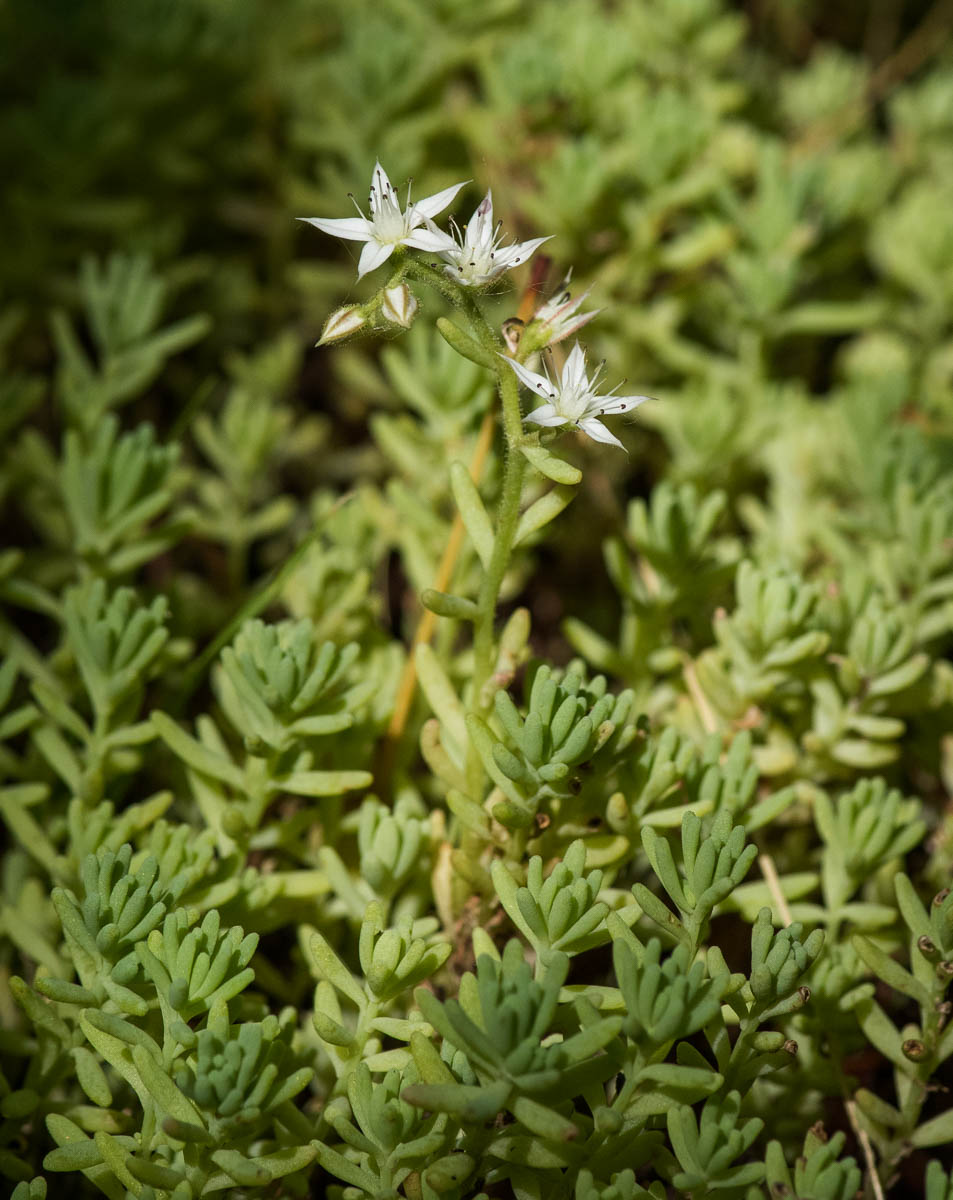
221,885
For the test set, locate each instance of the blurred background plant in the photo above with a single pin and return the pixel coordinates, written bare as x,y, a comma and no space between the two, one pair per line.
238,843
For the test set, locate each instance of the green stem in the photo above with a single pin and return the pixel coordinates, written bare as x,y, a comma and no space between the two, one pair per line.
366,1016
507,516
634,1064
94,773
423,272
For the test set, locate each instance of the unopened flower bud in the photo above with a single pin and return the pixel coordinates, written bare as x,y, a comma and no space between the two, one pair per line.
399,305
342,324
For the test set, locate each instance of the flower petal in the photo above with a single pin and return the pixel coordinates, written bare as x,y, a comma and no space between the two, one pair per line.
546,414
598,432
373,254
510,256
560,315
616,404
434,240
564,330
574,371
539,383
355,229
482,218
431,205
380,183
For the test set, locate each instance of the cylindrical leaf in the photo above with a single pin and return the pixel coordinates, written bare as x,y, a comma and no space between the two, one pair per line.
472,512
457,608
465,345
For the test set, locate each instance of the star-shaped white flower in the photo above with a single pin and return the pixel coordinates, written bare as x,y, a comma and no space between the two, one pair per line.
559,316
476,256
387,227
574,399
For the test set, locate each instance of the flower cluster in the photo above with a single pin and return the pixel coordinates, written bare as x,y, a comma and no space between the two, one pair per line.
474,257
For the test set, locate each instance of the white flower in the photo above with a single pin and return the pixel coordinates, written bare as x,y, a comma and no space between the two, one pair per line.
476,256
557,318
388,227
574,400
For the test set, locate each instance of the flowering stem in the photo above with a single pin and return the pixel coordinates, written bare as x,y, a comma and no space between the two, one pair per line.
507,516
506,522
423,272
441,583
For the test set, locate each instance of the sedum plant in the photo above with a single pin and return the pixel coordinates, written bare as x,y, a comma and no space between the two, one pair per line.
498,781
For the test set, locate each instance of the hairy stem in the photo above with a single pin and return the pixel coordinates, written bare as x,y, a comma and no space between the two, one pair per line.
428,621
507,516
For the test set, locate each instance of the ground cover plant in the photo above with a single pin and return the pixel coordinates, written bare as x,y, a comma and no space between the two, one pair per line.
503,749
